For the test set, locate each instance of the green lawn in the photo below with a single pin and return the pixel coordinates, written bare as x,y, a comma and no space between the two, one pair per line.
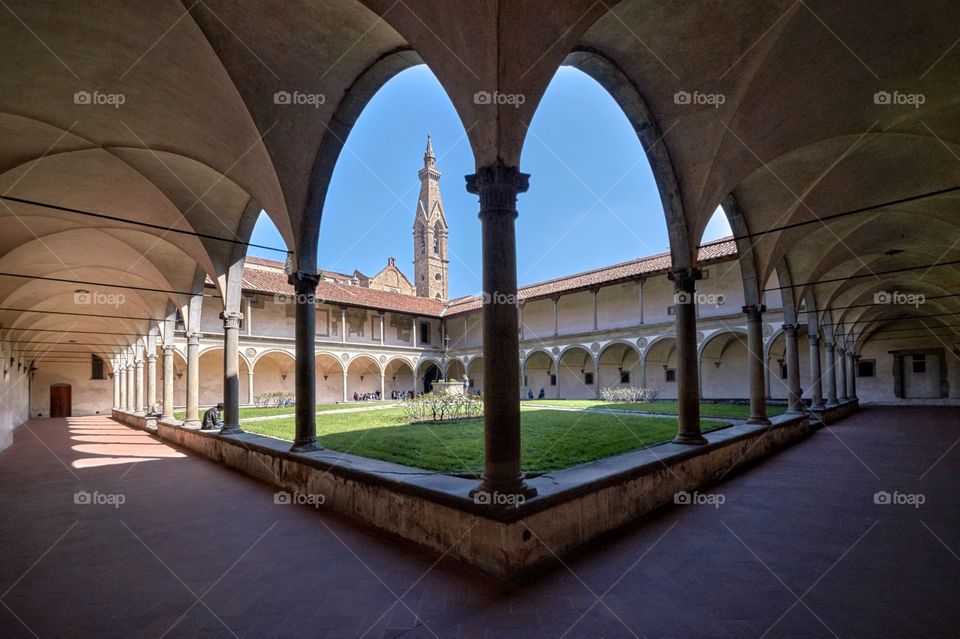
666,407
550,439
248,411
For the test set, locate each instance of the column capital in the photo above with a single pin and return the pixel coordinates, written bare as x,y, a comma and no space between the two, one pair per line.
498,186
754,312
304,281
169,348
138,363
193,339
814,339
684,278
152,357
856,357
231,319
828,345
790,329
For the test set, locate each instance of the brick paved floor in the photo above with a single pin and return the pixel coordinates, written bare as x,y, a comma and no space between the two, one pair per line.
798,548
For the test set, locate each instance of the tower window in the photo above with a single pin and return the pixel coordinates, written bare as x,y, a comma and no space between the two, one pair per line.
437,277
437,231
423,240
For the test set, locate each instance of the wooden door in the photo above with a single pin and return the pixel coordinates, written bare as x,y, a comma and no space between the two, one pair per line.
60,400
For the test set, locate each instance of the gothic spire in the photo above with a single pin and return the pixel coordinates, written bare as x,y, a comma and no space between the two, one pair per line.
429,159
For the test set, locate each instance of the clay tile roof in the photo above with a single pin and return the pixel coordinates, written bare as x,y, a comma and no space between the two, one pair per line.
273,280
660,263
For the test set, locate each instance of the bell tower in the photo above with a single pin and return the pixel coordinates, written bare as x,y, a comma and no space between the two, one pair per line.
430,232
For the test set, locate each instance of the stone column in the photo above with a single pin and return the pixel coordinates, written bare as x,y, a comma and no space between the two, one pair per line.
305,436
816,389
250,386
116,385
758,403
688,386
831,374
841,363
556,369
345,384
138,387
383,385
151,382
193,381
131,388
168,381
794,401
122,374
381,329
595,291
231,372
343,321
556,318
498,187
415,329
852,374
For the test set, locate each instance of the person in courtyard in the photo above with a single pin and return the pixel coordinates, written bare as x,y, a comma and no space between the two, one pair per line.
541,394
529,394
211,418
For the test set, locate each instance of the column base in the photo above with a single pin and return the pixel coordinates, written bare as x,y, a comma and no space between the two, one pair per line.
831,404
759,421
230,430
688,439
193,423
306,447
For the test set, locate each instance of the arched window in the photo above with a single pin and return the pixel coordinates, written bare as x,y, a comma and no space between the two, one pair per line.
96,367
436,238
423,239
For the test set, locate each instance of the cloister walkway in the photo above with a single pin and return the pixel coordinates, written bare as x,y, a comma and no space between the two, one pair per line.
798,547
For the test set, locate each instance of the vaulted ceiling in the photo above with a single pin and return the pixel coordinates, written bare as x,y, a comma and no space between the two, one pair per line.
195,115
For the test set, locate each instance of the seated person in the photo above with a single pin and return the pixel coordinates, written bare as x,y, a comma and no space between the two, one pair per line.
211,418
542,394
529,394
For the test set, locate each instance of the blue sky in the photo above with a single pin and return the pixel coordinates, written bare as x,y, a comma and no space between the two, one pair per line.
592,199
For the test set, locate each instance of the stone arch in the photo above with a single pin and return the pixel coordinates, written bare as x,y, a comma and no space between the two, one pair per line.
475,374
364,374
625,93
398,377
211,377
576,366
538,372
273,371
455,369
659,357
723,365
614,359
428,370
329,382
